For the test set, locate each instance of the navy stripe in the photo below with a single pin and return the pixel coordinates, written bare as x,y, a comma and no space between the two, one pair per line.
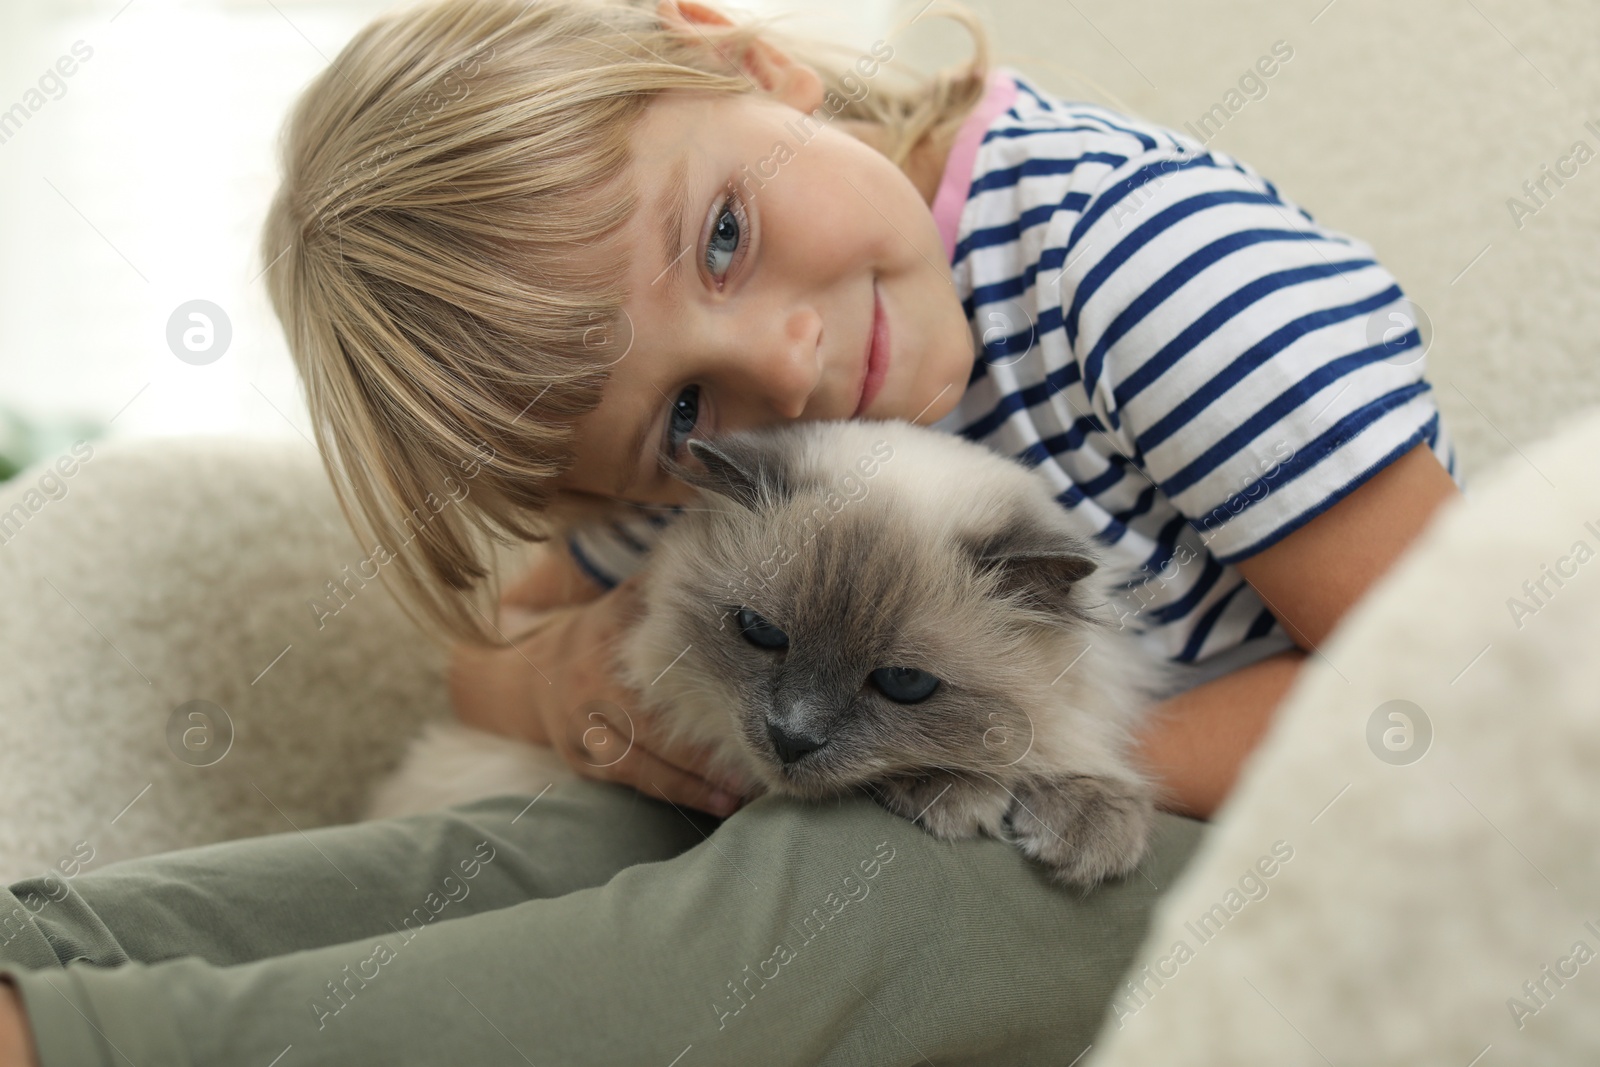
999,292
1274,410
586,565
1072,439
1019,132
1202,628
1050,259
1103,481
1009,404
1001,235
1333,498
1168,284
1070,497
998,347
1324,445
1150,144
1209,576
1345,430
627,538
1166,543
1033,455
1253,357
1115,194
1026,88
1218,314
1112,532
1141,236
1079,110
1262,626
1037,167
1140,506
655,517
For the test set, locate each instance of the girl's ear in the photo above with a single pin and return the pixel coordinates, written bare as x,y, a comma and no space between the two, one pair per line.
769,67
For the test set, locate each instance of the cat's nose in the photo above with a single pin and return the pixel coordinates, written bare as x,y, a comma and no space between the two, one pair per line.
790,746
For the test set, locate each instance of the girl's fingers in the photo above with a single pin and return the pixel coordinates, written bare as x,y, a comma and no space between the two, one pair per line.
600,749
639,733
696,761
655,777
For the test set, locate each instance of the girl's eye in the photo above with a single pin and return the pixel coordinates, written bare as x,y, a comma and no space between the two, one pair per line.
684,415
724,242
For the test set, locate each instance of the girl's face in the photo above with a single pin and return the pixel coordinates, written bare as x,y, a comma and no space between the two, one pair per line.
764,241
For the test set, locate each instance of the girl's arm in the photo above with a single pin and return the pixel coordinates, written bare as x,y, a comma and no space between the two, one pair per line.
1197,741
488,686
543,688
16,1040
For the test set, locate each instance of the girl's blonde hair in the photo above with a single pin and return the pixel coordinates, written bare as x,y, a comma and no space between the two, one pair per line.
437,178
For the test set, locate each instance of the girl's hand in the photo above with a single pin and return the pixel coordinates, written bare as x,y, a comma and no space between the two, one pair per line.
597,724
555,687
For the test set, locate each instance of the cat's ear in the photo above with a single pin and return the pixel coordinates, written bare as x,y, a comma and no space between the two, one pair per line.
748,467
1040,563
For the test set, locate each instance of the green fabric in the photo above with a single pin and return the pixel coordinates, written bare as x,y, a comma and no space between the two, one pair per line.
24,442
596,926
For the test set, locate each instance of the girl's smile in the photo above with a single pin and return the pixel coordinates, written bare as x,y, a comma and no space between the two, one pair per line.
765,243
876,362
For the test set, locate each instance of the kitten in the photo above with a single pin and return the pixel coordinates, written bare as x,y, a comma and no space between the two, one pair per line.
878,606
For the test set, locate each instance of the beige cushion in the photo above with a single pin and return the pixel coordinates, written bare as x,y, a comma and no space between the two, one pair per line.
1420,896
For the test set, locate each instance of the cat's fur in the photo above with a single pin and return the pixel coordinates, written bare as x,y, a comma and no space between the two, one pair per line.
876,544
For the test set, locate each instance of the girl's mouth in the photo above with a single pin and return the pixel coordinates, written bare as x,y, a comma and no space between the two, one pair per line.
877,357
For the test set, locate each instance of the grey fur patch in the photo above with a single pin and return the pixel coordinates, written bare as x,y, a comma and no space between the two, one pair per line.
750,468
1038,562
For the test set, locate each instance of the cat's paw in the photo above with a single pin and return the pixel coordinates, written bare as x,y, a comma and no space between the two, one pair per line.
1084,828
948,807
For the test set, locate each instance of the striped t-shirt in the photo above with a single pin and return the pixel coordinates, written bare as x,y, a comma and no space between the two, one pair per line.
1196,365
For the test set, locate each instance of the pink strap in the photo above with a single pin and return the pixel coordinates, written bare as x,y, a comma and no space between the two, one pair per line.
952,195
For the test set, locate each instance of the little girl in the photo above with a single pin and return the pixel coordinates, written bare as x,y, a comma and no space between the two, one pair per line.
524,250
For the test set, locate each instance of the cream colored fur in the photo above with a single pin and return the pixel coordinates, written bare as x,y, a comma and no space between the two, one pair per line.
451,763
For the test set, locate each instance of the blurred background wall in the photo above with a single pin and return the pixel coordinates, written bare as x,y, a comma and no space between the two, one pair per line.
140,181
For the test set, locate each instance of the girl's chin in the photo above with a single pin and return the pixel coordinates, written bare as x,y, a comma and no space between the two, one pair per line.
934,402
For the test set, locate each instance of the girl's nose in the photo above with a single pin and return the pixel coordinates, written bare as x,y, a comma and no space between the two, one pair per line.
792,366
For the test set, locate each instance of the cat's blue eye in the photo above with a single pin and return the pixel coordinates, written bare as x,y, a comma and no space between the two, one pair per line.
683,415
904,685
727,232
760,632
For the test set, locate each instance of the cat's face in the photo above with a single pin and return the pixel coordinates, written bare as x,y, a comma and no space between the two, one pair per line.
851,626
